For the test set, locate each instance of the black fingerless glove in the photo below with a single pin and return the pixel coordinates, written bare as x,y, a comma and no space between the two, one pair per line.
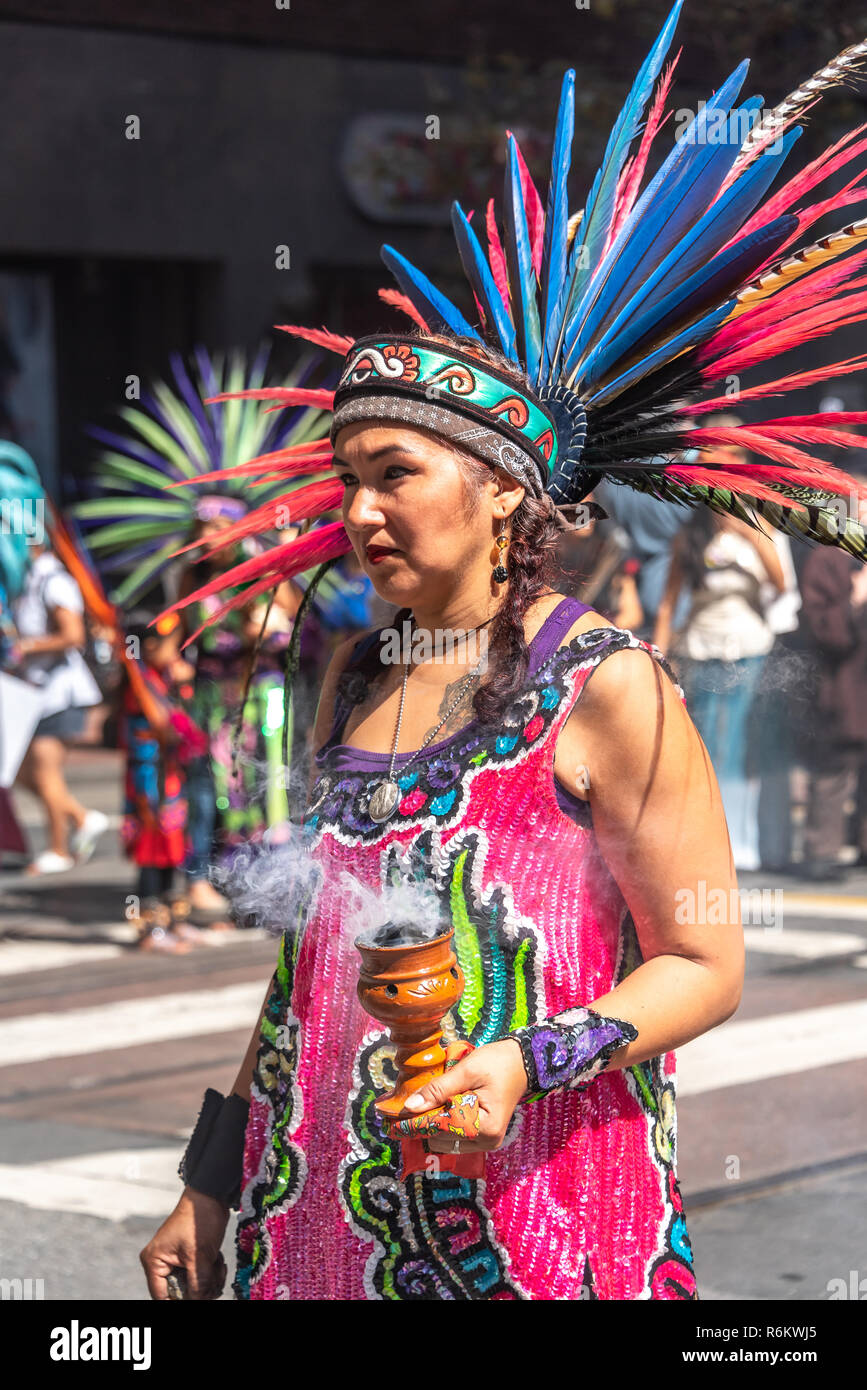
569,1050
214,1159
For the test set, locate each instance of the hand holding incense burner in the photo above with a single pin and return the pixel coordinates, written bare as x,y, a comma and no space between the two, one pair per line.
409,981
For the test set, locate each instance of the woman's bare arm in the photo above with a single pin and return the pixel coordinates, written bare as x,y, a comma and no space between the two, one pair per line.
660,826
662,632
630,613
762,541
69,633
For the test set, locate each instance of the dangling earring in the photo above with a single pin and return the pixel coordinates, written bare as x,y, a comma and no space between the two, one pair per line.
501,574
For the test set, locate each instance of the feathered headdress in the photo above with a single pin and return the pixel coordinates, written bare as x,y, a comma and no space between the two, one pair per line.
135,527
621,325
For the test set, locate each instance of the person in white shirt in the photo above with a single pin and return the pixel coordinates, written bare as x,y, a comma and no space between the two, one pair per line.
49,618
729,568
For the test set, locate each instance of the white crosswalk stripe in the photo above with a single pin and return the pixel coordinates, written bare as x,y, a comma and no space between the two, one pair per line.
114,1184
806,945
26,957
129,1023
756,1049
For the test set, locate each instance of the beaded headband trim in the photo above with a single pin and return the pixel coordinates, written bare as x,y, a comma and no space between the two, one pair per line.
410,369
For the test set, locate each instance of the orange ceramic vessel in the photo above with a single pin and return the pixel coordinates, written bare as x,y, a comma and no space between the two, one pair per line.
410,989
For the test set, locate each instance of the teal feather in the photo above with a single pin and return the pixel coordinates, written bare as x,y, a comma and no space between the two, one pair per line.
600,204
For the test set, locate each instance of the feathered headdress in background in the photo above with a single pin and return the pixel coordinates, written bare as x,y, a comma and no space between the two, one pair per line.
621,324
134,526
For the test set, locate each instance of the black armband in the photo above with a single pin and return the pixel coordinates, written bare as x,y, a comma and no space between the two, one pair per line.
214,1159
570,1050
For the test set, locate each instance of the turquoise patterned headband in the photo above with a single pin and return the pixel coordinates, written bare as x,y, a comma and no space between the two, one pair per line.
452,393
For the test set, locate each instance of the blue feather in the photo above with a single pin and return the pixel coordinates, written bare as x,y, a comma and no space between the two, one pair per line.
554,249
696,169
519,261
721,276
702,241
600,203
689,337
431,304
478,273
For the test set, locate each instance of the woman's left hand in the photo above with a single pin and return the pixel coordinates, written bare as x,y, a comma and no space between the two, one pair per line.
494,1075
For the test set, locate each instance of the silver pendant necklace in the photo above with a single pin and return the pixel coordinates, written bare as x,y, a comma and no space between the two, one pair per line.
386,795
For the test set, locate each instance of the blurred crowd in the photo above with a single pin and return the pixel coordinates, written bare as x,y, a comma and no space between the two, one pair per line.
767,637
200,725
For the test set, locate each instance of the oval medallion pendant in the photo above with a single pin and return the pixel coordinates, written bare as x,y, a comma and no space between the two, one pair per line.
383,802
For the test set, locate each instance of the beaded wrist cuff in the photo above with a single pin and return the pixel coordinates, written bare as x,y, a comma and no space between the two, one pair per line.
214,1157
568,1051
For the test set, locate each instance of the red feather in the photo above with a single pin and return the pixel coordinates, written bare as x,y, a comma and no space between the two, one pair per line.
496,255
831,417
533,210
288,395
405,305
797,329
812,290
304,504
276,564
742,483
802,468
633,170
322,337
825,164
283,463
335,548
795,382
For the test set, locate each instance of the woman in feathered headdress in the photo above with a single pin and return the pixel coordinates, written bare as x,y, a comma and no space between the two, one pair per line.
570,827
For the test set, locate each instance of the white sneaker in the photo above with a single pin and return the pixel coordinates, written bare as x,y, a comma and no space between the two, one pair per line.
48,862
82,842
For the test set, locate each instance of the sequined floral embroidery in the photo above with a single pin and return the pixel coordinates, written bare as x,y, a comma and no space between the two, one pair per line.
432,1234
436,789
279,1181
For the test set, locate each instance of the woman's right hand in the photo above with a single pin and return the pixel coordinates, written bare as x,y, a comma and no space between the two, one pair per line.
191,1238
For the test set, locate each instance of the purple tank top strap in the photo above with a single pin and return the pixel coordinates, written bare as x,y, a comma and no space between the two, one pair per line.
553,630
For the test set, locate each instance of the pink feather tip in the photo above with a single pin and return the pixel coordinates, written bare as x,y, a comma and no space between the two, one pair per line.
322,337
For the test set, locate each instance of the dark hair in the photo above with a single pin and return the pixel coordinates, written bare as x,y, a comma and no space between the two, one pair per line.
533,531
138,624
693,540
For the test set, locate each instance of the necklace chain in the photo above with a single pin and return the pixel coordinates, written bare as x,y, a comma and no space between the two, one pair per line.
464,686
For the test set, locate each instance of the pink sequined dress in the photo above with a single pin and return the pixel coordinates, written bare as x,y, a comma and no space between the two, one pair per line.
582,1200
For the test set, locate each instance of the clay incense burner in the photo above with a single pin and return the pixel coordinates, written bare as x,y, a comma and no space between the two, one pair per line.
409,982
